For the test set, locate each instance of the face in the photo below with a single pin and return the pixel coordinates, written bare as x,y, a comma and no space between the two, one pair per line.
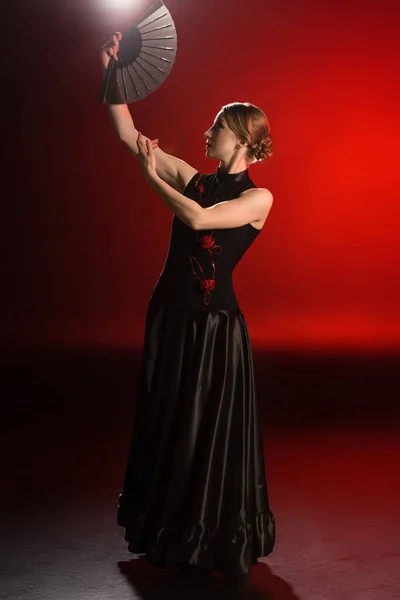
221,142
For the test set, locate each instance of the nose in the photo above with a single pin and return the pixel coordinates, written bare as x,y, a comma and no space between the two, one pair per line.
206,133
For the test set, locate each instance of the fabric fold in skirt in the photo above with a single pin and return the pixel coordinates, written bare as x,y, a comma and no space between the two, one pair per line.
195,489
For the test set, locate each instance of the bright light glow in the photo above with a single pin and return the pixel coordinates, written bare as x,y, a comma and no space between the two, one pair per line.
123,4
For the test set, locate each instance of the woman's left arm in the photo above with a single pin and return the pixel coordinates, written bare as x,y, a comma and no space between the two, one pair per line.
251,205
186,209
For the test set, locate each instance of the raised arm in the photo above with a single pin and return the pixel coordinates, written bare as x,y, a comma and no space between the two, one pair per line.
174,171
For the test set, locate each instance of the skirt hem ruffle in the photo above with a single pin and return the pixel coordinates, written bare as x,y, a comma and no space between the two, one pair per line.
225,549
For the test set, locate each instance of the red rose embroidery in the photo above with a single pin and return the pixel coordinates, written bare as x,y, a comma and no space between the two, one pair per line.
207,285
207,241
199,186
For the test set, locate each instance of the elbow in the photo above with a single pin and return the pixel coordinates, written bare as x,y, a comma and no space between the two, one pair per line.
195,222
198,218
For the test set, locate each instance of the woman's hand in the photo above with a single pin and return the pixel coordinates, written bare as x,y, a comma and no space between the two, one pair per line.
110,49
146,156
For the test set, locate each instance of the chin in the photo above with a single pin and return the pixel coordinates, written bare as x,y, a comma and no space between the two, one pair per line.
209,154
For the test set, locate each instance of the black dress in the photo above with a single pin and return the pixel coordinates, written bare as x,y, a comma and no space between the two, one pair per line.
195,489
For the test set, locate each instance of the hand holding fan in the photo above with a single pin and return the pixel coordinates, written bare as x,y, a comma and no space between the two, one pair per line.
145,58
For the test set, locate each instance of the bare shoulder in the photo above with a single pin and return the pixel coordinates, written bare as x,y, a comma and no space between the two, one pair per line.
264,198
262,194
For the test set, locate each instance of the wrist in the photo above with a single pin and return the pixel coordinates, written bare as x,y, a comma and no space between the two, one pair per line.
151,176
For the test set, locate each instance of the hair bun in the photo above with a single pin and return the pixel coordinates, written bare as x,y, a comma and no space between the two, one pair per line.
263,149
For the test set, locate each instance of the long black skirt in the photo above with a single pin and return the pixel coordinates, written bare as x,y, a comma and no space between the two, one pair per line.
195,489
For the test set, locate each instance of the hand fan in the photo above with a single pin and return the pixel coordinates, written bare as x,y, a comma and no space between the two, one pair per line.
145,59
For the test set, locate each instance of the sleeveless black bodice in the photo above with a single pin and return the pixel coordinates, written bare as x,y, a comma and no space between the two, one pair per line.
190,258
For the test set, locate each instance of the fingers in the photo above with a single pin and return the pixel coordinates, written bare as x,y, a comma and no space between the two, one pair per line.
140,143
115,49
112,46
113,42
143,145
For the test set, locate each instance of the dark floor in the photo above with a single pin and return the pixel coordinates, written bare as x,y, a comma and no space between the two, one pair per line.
331,438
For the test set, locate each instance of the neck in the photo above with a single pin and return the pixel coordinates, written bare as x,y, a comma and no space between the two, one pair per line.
235,165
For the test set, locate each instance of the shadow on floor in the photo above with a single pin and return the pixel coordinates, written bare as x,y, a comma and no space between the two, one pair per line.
153,584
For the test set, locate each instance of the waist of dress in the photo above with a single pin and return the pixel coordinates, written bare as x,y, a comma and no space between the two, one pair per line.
190,295
182,309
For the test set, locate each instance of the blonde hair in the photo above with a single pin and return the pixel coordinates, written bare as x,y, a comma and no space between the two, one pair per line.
250,124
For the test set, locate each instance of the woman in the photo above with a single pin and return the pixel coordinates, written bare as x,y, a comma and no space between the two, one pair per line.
195,491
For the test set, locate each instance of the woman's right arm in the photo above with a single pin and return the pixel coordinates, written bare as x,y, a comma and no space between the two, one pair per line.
172,170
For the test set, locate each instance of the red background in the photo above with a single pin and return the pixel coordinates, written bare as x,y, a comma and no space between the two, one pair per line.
85,238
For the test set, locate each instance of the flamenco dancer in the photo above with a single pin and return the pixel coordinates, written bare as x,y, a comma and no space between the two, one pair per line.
194,494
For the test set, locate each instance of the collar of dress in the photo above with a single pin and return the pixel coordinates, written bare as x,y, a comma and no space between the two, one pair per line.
231,177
